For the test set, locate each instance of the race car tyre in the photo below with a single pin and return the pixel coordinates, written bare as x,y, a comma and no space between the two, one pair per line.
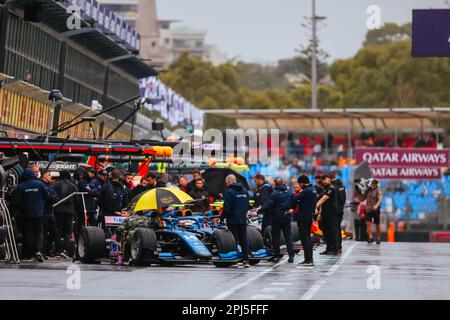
295,232
91,244
142,245
225,241
2,235
2,252
255,242
255,239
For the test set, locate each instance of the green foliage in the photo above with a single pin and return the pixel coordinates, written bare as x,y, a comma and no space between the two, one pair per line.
388,76
388,33
382,74
328,97
258,77
203,84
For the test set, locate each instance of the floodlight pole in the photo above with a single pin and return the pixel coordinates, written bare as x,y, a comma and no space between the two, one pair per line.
314,58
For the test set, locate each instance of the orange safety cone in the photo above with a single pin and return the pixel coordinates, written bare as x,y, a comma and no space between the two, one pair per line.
391,232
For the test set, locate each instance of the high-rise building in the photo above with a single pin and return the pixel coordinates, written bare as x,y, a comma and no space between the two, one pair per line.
178,40
175,41
161,44
142,15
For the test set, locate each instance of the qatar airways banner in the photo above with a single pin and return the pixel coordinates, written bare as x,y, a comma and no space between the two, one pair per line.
404,164
400,157
406,173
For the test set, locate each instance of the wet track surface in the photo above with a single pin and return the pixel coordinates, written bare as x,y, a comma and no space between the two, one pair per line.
406,271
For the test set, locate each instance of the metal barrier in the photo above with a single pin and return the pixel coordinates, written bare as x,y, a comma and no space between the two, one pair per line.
83,201
11,245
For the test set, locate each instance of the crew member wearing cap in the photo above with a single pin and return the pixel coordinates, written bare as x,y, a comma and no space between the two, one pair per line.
102,177
326,209
92,187
306,202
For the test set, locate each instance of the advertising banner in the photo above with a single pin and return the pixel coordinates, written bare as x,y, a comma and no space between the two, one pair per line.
431,33
408,173
403,164
400,157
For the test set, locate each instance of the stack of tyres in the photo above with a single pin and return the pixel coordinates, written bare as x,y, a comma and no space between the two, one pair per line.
2,243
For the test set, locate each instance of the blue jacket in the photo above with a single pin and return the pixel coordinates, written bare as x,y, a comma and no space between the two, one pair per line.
92,187
262,194
235,204
306,202
31,195
280,202
52,199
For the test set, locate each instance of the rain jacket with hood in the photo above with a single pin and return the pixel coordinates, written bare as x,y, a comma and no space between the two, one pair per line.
52,199
235,204
31,195
280,202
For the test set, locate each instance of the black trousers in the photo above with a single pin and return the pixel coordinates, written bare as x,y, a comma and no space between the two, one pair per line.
304,228
64,227
277,228
32,236
239,232
266,221
340,217
50,234
330,230
360,230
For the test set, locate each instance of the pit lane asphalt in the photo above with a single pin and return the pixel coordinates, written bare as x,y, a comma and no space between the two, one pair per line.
406,271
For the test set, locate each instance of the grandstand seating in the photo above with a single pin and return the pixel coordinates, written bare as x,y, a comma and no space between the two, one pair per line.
419,199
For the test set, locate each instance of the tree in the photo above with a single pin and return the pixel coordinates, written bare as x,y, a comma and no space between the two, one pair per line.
259,77
328,96
306,52
388,33
388,76
381,74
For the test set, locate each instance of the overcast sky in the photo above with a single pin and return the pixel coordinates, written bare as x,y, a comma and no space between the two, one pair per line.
269,30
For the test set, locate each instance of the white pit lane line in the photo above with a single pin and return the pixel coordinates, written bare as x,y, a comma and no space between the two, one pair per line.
316,287
231,291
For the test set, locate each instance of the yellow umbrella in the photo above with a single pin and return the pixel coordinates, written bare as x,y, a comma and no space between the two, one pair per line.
158,198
